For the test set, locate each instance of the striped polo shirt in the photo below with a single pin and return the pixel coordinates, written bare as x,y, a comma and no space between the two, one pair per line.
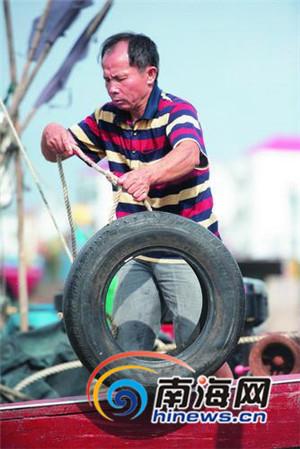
167,121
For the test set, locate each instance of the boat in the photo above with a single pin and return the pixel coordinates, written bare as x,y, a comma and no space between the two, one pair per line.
72,422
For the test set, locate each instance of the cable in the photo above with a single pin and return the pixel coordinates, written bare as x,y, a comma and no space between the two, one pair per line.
35,178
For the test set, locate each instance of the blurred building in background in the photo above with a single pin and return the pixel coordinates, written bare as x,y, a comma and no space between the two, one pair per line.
258,201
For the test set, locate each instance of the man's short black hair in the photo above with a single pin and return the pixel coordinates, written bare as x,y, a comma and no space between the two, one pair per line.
142,51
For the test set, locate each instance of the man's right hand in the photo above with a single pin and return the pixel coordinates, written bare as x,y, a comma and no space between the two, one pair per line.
56,140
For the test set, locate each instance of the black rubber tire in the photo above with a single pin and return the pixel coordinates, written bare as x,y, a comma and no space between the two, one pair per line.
104,254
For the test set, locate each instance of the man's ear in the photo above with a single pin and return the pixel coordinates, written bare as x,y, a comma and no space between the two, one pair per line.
151,75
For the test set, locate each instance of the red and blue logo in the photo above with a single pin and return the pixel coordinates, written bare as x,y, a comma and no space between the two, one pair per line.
126,397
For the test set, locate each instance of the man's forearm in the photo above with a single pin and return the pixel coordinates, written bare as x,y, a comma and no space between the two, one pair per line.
179,162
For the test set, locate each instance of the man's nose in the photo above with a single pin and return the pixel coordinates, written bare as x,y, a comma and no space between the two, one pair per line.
113,88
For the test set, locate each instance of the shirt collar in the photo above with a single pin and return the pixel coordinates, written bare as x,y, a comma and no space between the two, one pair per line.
152,104
151,108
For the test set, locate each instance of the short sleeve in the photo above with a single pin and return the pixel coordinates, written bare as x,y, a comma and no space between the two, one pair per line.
183,125
87,135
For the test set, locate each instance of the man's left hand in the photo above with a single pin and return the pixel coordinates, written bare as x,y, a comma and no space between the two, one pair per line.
137,182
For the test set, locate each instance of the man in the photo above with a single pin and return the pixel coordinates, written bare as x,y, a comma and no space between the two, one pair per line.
153,142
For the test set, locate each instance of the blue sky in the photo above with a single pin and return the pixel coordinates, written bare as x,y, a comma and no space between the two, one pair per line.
236,61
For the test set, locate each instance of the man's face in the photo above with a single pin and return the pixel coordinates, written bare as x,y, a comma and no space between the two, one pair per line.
128,87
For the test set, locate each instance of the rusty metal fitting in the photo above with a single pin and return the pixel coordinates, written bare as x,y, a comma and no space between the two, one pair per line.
275,354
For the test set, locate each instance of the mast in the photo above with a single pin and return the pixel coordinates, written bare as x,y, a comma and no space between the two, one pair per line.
22,268
19,90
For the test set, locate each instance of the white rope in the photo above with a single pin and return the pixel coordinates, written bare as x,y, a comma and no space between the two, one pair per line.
68,206
47,372
116,200
35,178
113,179
255,338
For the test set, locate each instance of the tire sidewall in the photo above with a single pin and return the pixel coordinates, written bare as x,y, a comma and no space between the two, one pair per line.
104,254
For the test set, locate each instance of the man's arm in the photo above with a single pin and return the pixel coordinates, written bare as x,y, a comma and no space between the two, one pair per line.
56,140
180,161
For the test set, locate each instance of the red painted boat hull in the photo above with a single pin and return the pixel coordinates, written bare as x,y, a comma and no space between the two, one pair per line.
74,423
